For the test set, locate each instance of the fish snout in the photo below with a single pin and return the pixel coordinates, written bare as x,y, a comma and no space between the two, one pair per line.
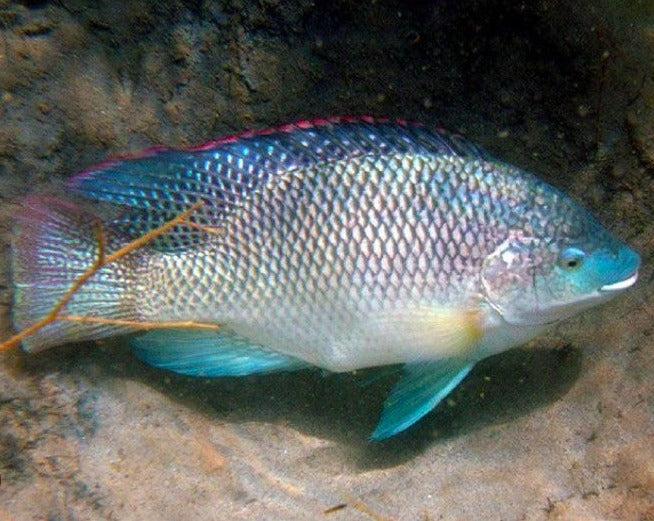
626,272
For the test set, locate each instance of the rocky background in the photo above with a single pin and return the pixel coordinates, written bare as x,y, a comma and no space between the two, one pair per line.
562,429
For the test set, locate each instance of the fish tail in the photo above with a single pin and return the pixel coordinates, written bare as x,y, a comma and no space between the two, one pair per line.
55,243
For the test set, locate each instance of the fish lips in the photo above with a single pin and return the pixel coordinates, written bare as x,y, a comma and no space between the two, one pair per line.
620,285
627,275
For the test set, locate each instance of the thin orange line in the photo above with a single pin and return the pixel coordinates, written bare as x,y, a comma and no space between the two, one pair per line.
100,261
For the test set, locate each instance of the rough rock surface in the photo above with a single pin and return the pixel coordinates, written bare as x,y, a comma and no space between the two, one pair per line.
562,429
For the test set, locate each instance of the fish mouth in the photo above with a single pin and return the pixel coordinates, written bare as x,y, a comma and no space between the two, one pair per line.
623,284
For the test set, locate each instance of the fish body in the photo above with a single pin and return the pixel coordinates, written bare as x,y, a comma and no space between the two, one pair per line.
343,244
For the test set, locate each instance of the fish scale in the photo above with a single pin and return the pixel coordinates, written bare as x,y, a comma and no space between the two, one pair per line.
261,238
341,243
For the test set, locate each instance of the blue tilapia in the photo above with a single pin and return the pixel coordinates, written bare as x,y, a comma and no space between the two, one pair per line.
342,243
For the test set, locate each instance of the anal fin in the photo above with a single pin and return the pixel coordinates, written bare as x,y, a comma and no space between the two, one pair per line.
210,353
420,389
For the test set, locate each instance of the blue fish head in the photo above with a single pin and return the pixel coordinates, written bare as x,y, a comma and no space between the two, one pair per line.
540,280
601,270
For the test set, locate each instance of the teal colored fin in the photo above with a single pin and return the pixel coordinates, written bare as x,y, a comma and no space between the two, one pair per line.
209,353
421,388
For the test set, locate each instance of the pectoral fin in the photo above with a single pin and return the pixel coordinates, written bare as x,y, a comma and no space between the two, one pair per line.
210,353
426,332
420,389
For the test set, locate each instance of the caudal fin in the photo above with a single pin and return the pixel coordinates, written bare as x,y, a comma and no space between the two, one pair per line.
55,242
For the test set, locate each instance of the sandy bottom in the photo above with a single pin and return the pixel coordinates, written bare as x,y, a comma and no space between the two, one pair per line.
561,429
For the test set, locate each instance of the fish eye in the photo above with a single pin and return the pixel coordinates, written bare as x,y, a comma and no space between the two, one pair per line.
571,258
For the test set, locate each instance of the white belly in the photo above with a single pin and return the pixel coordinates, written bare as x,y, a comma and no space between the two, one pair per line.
348,342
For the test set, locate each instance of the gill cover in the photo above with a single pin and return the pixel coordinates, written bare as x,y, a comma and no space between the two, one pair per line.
508,276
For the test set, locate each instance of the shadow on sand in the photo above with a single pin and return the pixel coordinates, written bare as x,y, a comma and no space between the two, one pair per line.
337,406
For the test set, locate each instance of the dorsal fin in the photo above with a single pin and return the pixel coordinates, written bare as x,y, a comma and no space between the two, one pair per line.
160,182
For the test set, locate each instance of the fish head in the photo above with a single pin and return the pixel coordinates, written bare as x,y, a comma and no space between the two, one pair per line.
544,273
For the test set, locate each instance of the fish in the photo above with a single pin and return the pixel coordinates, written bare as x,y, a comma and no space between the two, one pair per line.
342,243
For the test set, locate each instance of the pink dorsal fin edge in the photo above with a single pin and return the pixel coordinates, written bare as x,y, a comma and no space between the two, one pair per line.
233,138
303,124
266,131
